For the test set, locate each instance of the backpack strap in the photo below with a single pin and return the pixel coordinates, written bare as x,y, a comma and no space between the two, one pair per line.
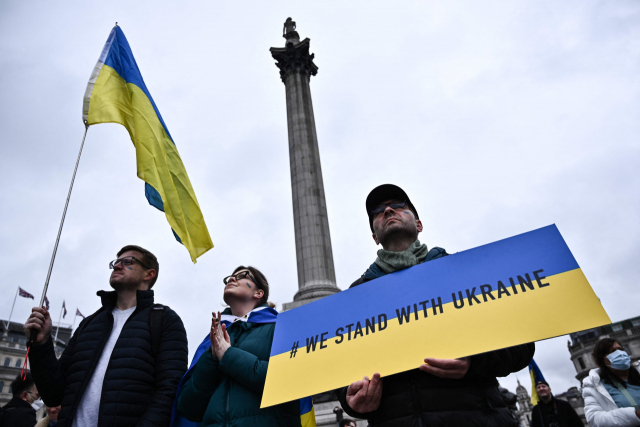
155,325
86,321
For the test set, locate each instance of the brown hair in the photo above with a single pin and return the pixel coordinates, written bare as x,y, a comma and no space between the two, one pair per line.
603,348
147,258
262,282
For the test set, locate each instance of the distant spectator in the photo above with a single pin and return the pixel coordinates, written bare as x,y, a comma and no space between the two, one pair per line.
51,419
552,412
21,409
612,391
347,423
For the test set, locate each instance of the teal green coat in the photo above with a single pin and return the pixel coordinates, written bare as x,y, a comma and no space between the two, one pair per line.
228,392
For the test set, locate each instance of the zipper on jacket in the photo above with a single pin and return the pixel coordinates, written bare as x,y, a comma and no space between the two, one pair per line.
93,366
114,347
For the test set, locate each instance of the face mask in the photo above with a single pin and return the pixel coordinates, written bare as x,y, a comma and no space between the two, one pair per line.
620,360
37,404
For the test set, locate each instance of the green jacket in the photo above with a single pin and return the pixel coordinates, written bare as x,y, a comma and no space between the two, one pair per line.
228,392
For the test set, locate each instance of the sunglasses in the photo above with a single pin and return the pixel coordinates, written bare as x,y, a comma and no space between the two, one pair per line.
392,205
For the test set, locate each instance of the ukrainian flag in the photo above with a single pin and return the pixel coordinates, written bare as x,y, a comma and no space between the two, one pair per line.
116,93
536,376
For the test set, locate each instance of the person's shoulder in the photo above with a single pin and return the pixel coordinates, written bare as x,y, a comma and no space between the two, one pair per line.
435,253
591,380
373,272
167,312
359,281
562,402
169,317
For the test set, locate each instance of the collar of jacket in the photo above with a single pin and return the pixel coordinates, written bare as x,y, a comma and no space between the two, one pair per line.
17,402
243,325
144,299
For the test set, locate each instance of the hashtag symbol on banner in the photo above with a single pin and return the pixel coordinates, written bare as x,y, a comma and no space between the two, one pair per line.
294,349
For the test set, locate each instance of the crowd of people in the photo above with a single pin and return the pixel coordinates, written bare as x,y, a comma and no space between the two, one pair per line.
126,364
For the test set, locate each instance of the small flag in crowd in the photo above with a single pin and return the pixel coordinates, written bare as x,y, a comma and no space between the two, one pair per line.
24,293
64,309
536,376
46,302
79,314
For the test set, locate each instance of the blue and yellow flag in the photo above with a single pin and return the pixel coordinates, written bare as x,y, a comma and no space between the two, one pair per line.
536,376
116,93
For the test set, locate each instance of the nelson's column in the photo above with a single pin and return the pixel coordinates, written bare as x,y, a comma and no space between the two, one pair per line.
316,274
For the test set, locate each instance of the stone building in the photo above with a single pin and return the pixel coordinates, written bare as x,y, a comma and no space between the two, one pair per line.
524,406
13,349
626,332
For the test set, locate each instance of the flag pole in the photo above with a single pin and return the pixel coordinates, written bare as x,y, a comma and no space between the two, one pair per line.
14,304
55,339
34,333
74,321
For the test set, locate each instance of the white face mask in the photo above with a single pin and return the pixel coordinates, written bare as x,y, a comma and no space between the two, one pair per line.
37,404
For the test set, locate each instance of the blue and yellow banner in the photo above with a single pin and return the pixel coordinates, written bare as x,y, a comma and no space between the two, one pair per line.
116,93
448,308
536,375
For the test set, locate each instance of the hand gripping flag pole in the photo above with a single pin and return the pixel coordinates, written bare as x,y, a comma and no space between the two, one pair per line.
34,334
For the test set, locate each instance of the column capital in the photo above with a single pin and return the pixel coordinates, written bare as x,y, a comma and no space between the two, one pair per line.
294,58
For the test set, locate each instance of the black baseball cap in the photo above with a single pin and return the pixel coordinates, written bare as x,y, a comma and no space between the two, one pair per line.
542,382
385,192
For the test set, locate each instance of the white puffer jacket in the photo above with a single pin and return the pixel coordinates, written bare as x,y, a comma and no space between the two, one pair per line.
599,407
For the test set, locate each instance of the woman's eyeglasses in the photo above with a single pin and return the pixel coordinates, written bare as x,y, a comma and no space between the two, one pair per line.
239,276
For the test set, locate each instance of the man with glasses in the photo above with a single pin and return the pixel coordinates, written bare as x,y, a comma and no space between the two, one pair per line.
439,392
21,409
124,362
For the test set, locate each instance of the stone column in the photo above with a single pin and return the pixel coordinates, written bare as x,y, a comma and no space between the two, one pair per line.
316,274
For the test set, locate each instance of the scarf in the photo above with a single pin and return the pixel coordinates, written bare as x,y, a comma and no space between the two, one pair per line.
390,262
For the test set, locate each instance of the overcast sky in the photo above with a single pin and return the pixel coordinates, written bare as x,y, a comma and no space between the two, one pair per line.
496,117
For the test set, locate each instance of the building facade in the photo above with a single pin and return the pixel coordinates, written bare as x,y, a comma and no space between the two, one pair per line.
626,332
13,350
524,406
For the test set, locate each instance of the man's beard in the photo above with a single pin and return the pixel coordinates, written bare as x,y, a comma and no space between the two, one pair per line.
122,285
395,232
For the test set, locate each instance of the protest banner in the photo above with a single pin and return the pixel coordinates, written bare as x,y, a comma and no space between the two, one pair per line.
517,290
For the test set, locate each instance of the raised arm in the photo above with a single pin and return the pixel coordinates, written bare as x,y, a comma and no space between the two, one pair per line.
48,372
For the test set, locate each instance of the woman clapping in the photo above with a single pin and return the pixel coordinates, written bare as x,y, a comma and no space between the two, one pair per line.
225,386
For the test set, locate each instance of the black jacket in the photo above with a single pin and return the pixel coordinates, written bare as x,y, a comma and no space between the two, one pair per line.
17,413
558,410
415,398
137,390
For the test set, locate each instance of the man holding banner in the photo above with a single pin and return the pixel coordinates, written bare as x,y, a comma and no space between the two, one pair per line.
440,392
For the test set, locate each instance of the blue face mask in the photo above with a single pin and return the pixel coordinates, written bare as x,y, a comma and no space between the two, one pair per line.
620,360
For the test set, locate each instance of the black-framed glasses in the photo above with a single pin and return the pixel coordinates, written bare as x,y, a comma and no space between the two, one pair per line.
239,276
128,260
392,205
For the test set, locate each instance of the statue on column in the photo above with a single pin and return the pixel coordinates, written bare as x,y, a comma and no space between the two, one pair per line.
289,27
